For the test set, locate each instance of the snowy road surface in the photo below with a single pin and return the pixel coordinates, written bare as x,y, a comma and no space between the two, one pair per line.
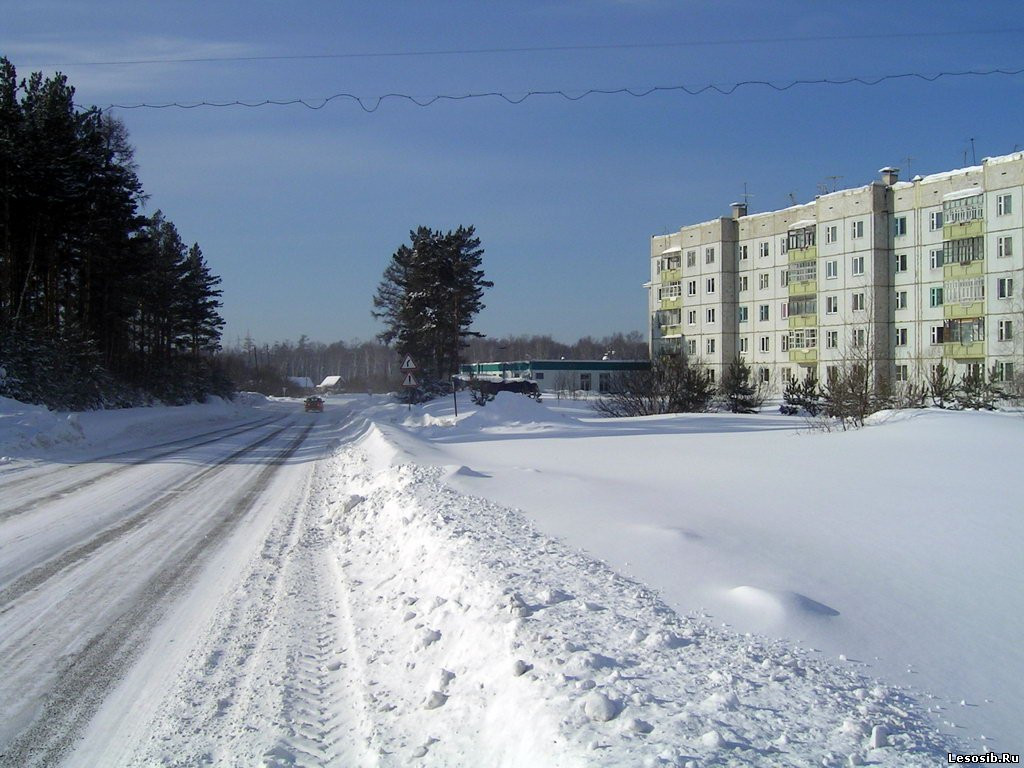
256,586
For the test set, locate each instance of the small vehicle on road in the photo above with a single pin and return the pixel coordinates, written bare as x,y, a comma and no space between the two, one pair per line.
314,404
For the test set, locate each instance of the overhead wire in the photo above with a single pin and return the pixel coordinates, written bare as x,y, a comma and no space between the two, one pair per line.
371,104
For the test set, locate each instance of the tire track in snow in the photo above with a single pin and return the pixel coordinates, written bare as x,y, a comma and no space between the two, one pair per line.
70,557
89,675
74,486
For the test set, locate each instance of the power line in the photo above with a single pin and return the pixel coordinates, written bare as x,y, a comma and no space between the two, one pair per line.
540,48
373,103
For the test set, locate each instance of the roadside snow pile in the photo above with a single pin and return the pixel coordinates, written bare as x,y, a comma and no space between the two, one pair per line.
27,426
487,642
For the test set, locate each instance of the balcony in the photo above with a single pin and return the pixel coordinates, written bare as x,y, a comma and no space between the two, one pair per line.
802,287
959,311
671,331
960,230
803,254
671,275
962,270
959,351
803,321
803,356
675,303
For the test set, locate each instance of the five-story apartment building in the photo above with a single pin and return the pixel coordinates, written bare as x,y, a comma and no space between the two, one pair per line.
906,274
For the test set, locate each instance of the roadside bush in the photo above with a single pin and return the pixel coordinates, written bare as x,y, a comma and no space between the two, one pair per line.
673,384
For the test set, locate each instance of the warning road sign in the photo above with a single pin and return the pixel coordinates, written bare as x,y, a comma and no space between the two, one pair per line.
408,365
410,381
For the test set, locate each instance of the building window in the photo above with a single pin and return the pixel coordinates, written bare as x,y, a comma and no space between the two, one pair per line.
963,251
1004,246
799,272
857,265
710,346
935,297
831,269
691,288
744,343
762,280
935,220
782,245
965,332
711,371
900,226
672,290
938,334
831,339
604,382
710,285
902,373
831,305
787,375
1004,287
800,238
935,258
743,282
803,305
803,338
901,337
784,310
858,338
711,314
709,255
784,278
831,233
763,375
858,302
1004,371
963,209
691,347
743,253
901,262
691,258
585,382
1005,330
1004,205
857,230
831,373
762,312
743,314
783,342
762,249
691,317
766,343
901,299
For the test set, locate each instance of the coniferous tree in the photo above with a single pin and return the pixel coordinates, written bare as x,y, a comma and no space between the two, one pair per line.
740,395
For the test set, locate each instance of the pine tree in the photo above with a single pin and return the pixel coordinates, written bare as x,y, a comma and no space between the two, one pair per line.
740,395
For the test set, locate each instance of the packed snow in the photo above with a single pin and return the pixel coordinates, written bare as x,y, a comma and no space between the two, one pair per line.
521,584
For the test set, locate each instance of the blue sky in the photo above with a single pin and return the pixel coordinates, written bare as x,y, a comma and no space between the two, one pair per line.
299,210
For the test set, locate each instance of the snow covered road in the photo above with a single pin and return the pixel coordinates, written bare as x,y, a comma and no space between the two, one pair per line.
250,585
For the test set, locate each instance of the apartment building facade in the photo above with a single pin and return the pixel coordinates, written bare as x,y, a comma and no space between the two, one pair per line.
908,274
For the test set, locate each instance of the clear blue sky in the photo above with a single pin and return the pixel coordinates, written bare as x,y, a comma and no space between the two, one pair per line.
299,210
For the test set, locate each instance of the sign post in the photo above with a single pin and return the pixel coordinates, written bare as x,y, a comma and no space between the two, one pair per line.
410,383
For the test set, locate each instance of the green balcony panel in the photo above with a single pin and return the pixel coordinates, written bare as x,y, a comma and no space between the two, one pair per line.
964,229
964,351
803,321
675,303
803,287
803,254
671,275
957,311
803,356
961,271
671,330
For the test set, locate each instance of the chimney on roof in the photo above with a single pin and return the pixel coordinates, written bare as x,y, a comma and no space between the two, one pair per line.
890,175
739,210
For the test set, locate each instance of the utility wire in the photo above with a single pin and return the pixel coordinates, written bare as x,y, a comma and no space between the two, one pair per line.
544,49
373,103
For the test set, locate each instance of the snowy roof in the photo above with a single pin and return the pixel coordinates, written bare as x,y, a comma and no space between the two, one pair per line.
673,249
301,381
331,381
962,193
803,223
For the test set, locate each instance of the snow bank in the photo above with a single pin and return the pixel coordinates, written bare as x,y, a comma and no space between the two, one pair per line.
489,640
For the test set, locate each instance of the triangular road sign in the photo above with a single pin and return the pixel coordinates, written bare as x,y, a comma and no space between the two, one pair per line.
410,380
408,365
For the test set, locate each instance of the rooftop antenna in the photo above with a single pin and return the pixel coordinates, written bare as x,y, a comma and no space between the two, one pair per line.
974,157
746,195
792,198
908,160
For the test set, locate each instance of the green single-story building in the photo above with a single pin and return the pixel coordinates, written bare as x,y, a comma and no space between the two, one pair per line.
557,375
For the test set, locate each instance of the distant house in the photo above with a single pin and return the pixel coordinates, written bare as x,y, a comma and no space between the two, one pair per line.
557,375
303,383
331,384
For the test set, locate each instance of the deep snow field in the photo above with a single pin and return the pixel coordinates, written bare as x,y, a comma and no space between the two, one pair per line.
529,584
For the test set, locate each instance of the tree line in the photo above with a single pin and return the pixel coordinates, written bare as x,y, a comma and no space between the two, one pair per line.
99,304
